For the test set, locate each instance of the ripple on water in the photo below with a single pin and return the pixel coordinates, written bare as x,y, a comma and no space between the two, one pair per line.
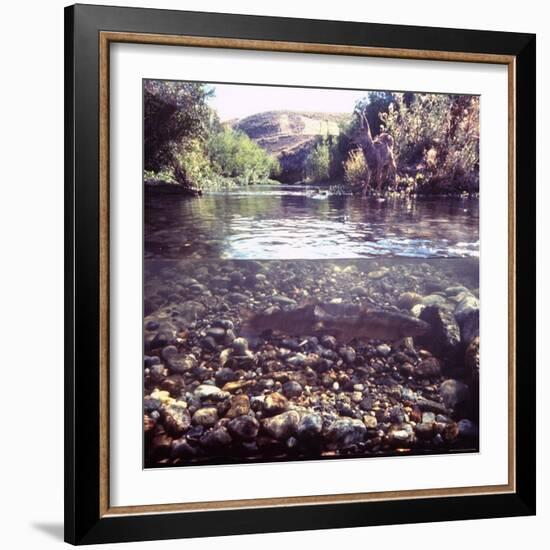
278,223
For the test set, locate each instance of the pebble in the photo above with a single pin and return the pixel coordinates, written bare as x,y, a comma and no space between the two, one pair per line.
226,324
428,417
275,403
240,346
370,422
346,432
244,427
239,405
206,417
176,418
281,426
383,349
292,389
160,447
453,392
297,360
236,298
205,391
407,300
178,362
216,438
284,300
218,333
443,338
401,435
181,448
377,274
236,278
348,354
225,375
309,428
150,361
278,394
209,343
428,368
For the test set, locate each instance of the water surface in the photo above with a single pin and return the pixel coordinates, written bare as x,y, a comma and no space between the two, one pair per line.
298,222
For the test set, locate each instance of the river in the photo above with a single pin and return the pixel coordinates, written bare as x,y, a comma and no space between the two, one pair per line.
299,222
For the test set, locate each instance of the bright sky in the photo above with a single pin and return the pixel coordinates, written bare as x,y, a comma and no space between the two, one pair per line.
241,100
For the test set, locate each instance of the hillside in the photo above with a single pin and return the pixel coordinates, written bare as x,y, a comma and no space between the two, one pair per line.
289,135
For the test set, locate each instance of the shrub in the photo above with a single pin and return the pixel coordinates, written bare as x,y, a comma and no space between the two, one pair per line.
356,171
317,165
436,135
233,154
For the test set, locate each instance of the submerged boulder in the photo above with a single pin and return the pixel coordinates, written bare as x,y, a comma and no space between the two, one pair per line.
443,337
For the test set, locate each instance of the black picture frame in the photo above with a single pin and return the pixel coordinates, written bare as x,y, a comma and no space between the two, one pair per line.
84,524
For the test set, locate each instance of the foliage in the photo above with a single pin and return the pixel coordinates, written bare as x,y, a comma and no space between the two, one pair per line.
233,154
174,112
185,143
192,162
317,164
436,142
356,171
436,136
373,105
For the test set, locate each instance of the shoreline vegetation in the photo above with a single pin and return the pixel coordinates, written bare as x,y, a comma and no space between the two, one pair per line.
431,139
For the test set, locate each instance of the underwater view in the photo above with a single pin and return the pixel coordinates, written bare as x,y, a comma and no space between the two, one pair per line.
298,312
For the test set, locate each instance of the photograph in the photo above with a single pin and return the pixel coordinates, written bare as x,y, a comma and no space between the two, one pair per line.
285,242
311,273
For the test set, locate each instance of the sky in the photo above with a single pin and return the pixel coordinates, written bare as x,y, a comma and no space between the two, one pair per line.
238,100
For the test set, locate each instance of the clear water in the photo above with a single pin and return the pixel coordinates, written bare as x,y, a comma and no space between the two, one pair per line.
293,222
221,259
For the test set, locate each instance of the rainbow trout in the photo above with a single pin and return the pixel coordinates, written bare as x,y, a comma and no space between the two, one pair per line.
344,321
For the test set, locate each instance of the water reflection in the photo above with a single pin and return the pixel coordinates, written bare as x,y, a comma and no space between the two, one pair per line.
296,222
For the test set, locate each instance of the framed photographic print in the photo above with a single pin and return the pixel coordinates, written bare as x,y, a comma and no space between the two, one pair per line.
299,274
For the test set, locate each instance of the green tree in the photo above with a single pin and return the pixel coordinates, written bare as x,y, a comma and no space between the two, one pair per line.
317,165
234,155
174,113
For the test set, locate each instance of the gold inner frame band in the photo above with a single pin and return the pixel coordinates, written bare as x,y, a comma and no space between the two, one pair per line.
105,39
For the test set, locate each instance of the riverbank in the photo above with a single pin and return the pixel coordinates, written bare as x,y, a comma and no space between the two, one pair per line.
213,395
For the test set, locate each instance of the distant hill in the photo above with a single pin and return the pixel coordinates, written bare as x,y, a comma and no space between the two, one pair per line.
289,135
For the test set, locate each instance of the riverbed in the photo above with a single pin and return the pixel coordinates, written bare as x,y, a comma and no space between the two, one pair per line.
219,387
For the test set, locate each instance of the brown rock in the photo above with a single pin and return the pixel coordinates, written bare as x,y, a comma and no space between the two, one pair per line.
239,405
232,387
206,417
275,403
428,368
407,300
176,419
